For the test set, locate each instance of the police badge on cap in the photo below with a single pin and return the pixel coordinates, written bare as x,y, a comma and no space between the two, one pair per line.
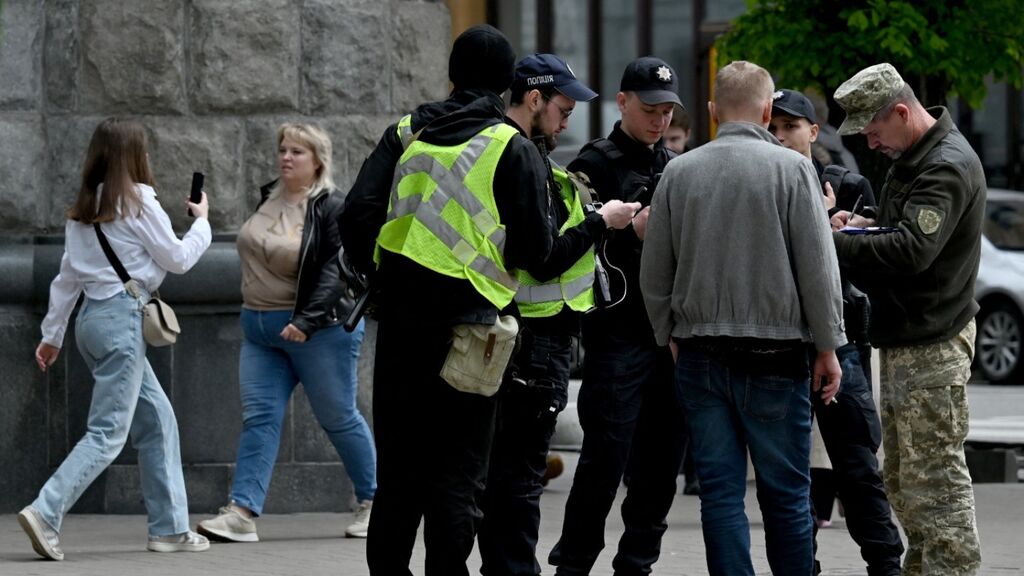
792,103
653,81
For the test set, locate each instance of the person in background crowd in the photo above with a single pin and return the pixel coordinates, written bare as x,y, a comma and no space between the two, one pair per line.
828,147
677,135
116,200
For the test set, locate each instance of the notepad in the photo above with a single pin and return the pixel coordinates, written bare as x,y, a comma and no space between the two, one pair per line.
868,230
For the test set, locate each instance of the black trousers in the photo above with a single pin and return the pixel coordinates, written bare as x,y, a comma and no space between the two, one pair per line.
629,408
433,444
527,409
852,433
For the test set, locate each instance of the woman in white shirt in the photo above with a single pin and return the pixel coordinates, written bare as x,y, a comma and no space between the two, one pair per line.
117,194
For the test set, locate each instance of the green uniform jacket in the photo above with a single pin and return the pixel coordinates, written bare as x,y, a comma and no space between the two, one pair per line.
921,278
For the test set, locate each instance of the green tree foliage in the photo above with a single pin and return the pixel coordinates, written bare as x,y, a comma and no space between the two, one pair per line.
942,47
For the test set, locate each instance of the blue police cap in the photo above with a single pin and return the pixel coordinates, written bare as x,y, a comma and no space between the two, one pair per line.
547,70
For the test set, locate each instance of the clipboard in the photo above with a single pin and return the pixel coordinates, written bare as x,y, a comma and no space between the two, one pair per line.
869,231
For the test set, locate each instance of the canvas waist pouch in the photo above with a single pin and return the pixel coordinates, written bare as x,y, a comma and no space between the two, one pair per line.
479,355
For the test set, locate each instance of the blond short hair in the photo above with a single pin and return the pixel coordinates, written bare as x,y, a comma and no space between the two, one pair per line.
317,140
742,87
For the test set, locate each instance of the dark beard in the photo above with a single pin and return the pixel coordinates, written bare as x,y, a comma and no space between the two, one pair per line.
550,140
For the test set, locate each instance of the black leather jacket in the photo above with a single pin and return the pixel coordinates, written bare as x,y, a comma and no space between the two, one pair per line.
320,298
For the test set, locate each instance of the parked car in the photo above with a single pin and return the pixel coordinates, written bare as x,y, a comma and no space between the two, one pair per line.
1000,289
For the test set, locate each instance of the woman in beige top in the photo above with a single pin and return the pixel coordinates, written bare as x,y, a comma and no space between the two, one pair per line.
291,294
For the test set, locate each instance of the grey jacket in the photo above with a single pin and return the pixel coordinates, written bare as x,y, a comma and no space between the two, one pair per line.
738,244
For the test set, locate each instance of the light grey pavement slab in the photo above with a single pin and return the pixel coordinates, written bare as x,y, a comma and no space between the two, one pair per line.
312,544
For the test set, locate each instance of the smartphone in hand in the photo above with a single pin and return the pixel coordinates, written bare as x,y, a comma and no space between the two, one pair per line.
196,194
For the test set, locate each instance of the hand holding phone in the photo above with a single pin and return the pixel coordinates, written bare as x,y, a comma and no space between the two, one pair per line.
195,196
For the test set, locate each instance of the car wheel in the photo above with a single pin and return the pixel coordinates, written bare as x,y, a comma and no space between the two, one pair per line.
999,343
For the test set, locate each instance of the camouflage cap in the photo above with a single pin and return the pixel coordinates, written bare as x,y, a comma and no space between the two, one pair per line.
865,94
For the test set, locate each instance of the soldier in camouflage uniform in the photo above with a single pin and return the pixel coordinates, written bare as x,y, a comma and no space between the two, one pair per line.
920,277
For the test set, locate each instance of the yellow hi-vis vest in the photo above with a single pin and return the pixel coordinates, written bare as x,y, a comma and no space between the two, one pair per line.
575,286
442,214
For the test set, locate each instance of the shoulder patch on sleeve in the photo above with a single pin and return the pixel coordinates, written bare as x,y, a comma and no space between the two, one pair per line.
929,220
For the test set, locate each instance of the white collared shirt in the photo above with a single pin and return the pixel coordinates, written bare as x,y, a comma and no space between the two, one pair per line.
145,244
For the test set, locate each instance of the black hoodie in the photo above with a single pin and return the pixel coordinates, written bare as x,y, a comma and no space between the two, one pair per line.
520,192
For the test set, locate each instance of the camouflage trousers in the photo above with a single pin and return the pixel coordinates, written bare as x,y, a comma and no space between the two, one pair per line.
924,424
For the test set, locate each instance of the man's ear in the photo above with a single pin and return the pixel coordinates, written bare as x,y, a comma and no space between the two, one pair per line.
814,132
903,110
712,113
620,99
534,100
766,114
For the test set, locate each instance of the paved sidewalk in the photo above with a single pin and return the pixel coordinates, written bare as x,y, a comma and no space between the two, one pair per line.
312,544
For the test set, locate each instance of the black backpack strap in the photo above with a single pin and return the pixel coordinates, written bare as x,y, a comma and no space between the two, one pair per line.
834,175
613,159
606,147
111,256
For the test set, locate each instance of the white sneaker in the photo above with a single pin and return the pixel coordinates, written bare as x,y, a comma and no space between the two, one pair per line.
361,526
229,526
45,540
184,542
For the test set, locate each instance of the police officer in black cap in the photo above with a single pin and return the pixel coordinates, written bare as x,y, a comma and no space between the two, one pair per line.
628,404
433,441
551,298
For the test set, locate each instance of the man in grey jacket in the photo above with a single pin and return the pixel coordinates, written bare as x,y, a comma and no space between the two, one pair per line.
735,294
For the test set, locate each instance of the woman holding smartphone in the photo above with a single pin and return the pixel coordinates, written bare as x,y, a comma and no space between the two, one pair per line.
291,293
117,197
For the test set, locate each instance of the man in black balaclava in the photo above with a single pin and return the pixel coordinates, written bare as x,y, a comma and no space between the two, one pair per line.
468,206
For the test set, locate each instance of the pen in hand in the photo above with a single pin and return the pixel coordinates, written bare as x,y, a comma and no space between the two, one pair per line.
856,206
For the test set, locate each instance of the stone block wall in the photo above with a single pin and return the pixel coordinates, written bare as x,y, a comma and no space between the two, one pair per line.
211,80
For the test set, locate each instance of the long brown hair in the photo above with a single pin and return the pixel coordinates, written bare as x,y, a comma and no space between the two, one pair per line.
116,159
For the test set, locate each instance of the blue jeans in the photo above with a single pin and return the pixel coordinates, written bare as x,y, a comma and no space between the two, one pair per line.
269,369
126,400
730,412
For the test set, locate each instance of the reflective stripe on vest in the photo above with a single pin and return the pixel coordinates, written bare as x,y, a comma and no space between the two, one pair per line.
405,132
575,286
433,206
